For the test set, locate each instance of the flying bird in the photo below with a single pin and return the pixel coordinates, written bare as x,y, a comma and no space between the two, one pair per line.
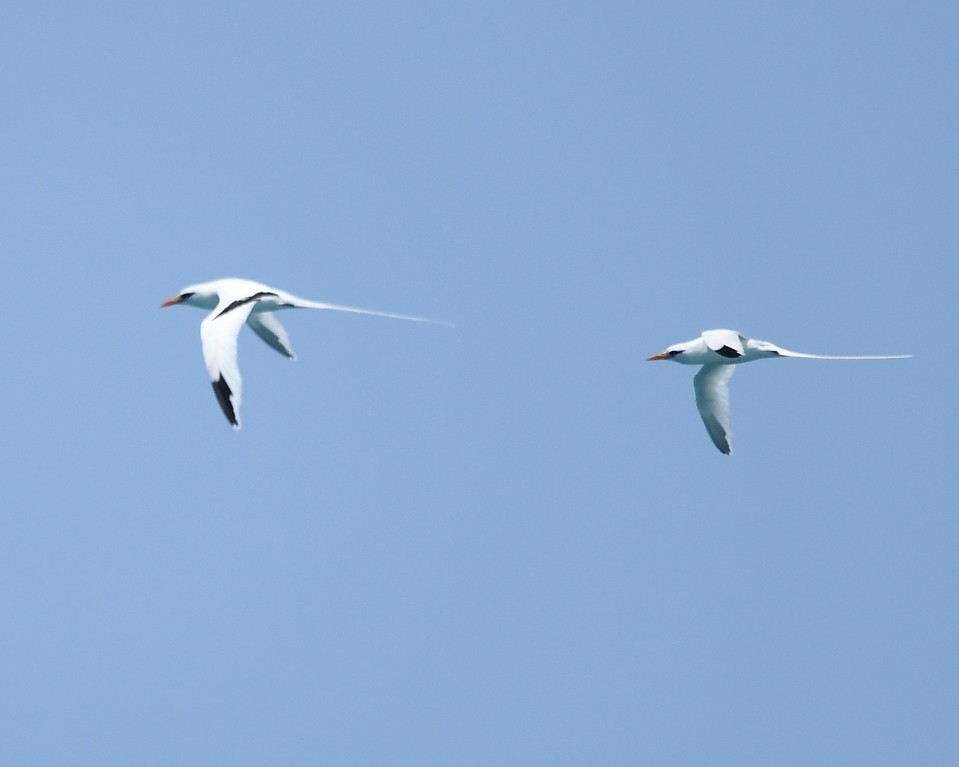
717,351
234,302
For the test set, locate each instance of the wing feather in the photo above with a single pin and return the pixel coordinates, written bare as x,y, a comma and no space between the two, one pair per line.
730,340
218,334
712,399
268,327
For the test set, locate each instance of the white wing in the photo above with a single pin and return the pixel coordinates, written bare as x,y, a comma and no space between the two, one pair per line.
727,343
268,327
218,333
712,399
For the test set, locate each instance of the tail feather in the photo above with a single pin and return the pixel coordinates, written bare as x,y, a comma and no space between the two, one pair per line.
787,353
306,304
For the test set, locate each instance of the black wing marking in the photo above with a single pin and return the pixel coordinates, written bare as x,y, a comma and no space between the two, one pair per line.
224,395
241,301
727,351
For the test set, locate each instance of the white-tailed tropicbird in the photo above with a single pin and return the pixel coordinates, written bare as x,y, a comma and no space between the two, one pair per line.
235,302
717,351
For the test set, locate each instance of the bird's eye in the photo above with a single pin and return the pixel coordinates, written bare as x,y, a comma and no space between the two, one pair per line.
185,296
674,352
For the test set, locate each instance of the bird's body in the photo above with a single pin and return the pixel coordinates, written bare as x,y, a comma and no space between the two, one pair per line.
235,302
717,351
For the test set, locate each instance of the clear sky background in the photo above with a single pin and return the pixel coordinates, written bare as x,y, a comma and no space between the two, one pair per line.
510,542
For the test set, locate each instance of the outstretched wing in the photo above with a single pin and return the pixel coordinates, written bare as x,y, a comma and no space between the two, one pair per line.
712,399
218,333
727,343
268,327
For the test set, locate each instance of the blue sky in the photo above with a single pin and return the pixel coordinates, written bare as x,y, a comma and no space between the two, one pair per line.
510,542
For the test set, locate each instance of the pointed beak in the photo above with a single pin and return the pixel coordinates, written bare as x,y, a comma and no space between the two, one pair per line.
660,356
171,301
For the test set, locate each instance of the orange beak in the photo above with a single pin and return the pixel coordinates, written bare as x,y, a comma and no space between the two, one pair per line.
660,356
171,301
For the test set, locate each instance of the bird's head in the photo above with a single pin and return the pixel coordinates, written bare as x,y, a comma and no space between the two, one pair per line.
202,296
670,354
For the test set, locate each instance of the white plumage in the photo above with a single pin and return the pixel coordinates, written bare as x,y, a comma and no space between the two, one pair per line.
717,351
234,302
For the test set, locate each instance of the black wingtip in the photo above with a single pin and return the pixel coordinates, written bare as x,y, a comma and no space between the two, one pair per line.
223,394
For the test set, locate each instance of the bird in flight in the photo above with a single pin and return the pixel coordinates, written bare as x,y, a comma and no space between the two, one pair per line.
234,302
717,351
